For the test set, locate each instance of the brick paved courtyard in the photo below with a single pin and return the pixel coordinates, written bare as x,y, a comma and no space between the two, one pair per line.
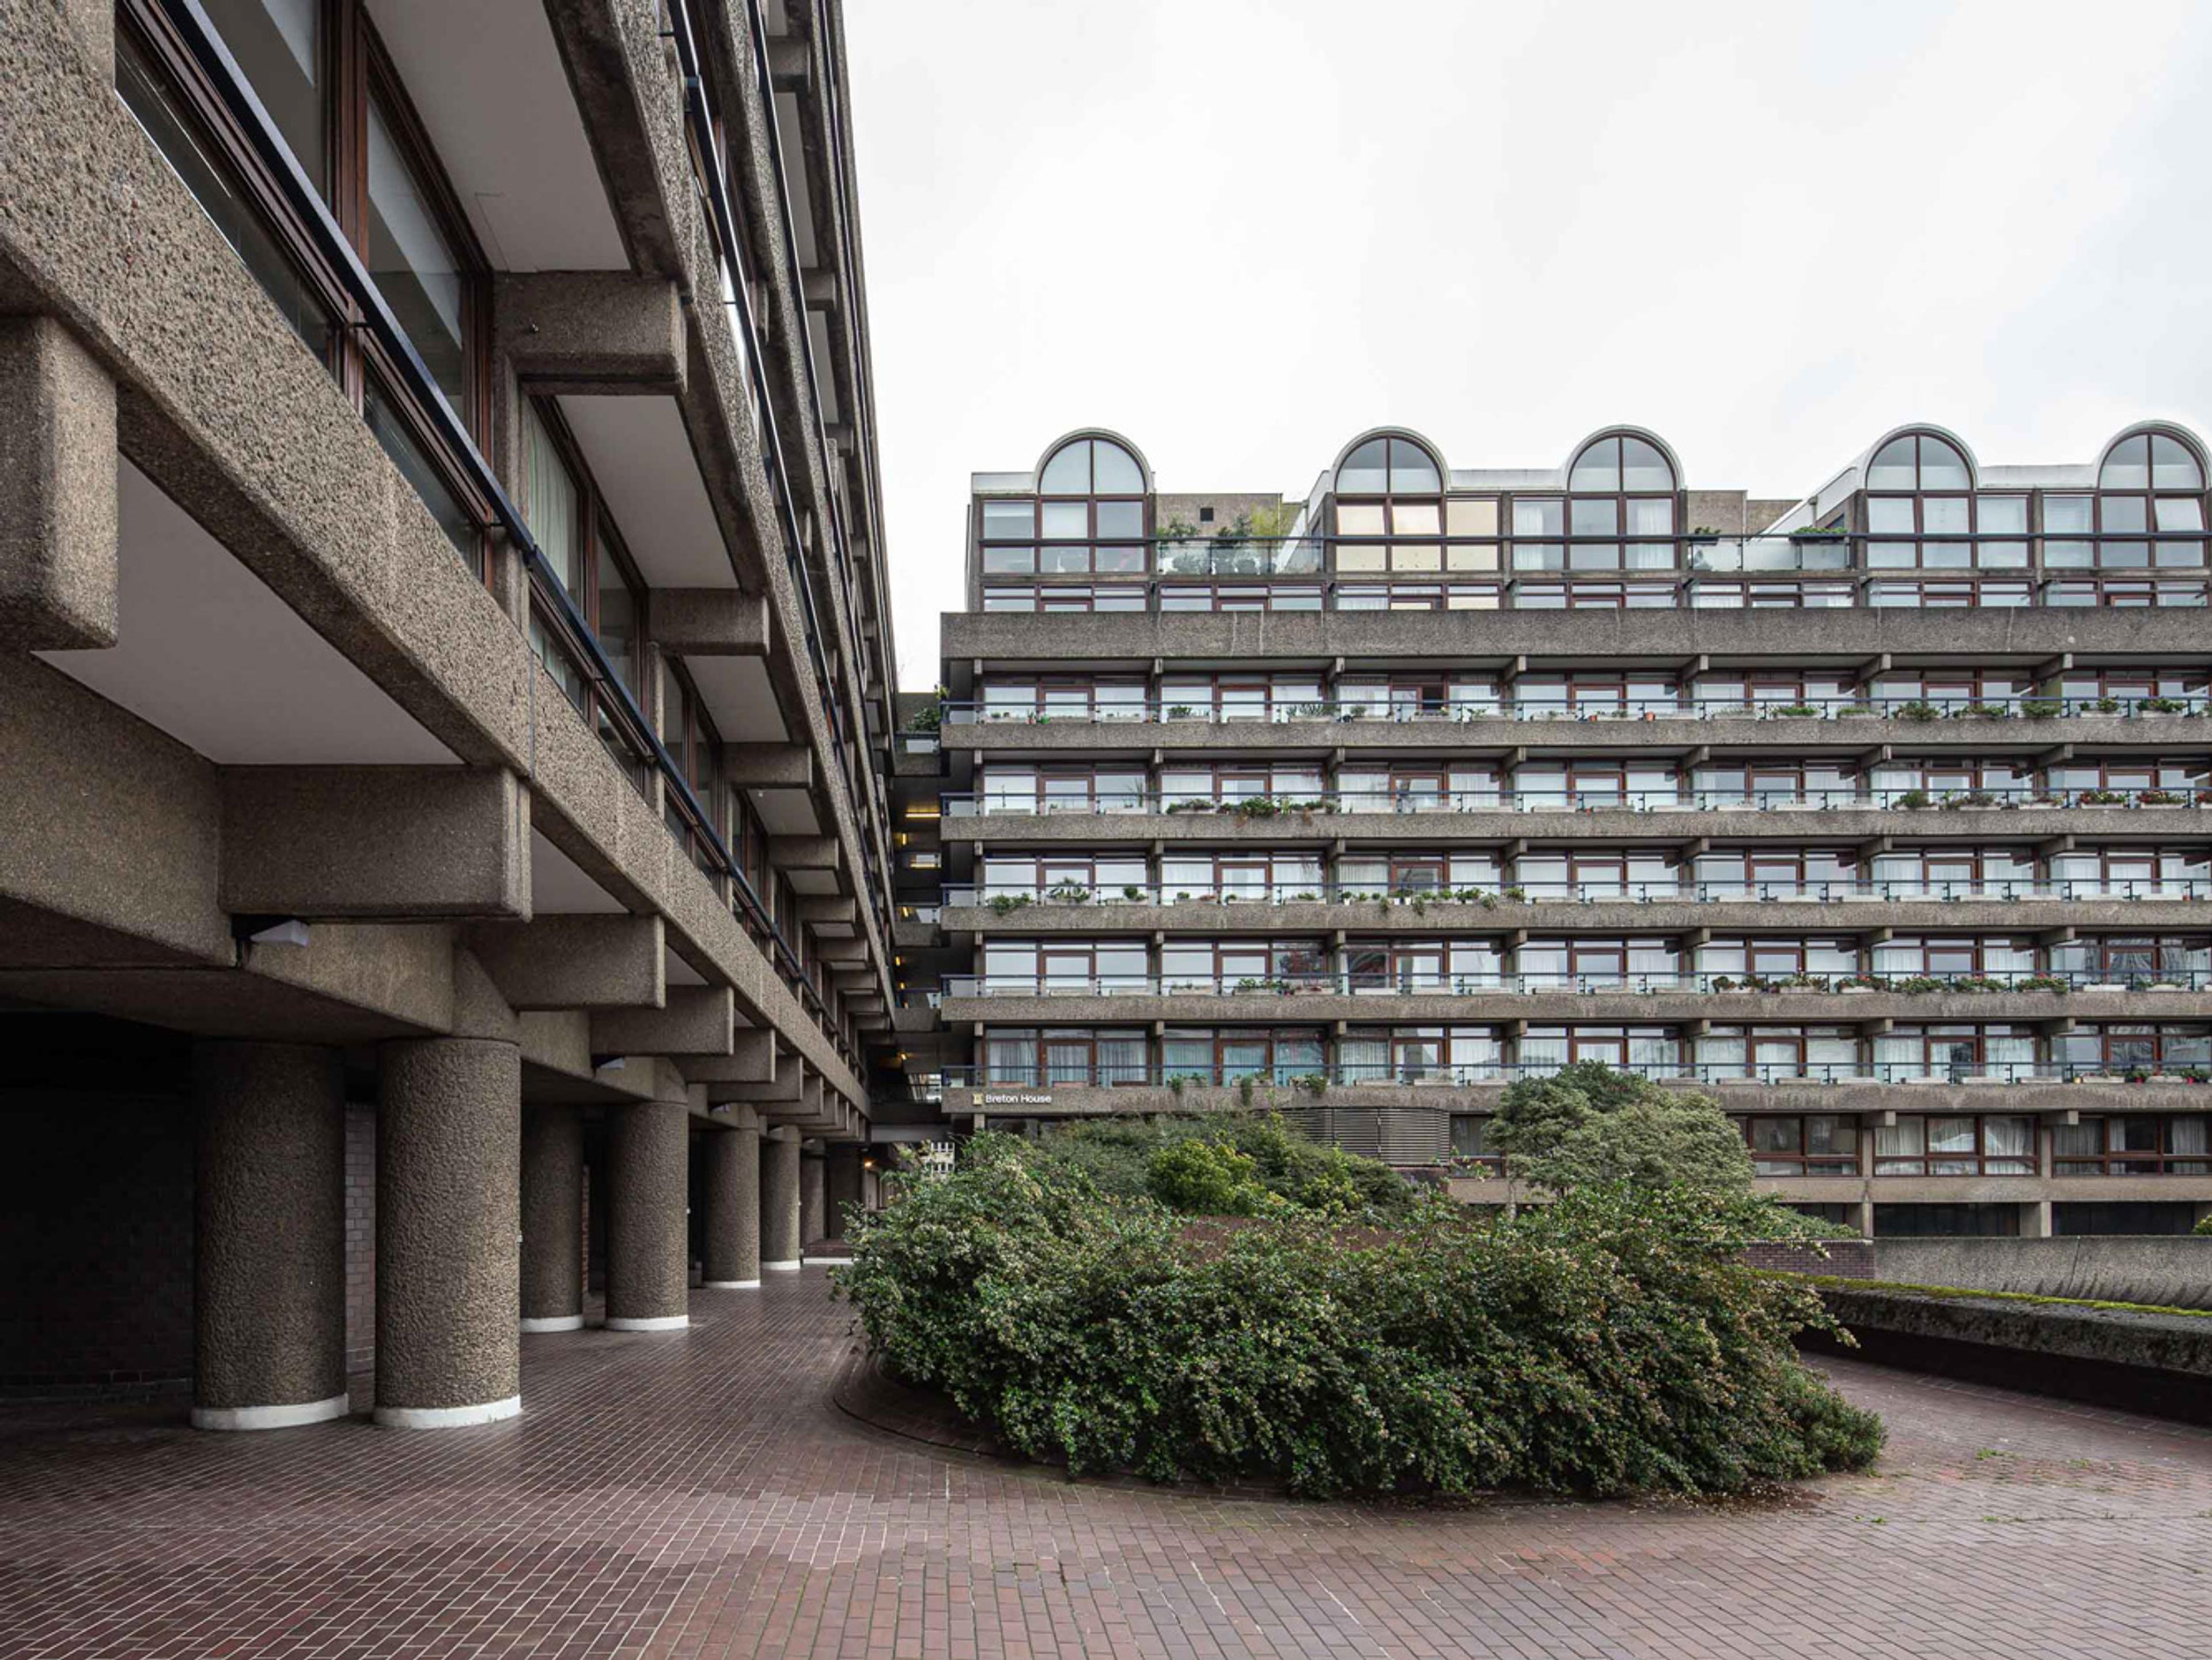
699,1496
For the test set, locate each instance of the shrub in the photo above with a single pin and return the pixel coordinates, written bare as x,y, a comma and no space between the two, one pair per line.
1208,1178
1116,1154
1611,1343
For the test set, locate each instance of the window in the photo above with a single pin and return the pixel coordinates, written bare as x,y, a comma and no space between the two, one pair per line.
1470,1141
1240,877
1065,968
1391,514
1777,1054
1812,1143
1090,515
1212,1054
1233,966
1419,1055
2132,873
1953,1053
2135,960
2134,1049
319,69
692,743
1019,788
1422,967
1065,879
1653,1051
587,561
1962,1144
1189,788
1064,1056
1619,509
1022,597
2139,1144
2151,486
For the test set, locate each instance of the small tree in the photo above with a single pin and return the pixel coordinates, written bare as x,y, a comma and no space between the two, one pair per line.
1590,1124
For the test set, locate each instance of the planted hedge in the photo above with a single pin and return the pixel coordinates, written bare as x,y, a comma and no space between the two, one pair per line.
1613,1342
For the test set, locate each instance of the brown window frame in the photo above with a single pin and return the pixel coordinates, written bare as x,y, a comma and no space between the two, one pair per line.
358,70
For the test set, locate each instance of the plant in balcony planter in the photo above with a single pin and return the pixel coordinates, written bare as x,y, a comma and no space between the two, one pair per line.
1917,985
1173,808
1258,806
1310,711
2100,798
2042,983
1302,896
2137,1075
2196,1075
1245,1088
1801,981
1820,533
1005,904
2163,799
1068,893
1981,712
1912,800
2160,706
1970,798
1976,982
1179,712
1310,1083
1796,710
2106,705
1860,983
2043,708
1918,711
1855,708
1133,893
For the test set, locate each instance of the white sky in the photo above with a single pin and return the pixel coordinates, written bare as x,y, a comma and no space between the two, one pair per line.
1240,231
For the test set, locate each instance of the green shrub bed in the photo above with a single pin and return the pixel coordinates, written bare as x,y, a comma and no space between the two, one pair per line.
1610,1343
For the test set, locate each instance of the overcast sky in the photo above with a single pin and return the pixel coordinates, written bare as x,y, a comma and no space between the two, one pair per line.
1240,231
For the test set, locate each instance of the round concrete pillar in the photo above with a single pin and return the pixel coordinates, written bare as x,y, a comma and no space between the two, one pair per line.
813,1195
734,1199
448,1206
778,1205
268,1236
842,1165
648,1258
552,1219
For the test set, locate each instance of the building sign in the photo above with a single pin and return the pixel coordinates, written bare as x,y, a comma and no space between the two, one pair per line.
1014,1098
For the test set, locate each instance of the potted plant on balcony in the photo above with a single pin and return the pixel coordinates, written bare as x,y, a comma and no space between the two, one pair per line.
1981,712
1791,711
2162,798
1005,904
2043,708
1917,985
2099,798
1912,800
2160,706
1133,893
1919,710
1068,893
2053,983
2137,1075
1859,984
1802,982
1855,708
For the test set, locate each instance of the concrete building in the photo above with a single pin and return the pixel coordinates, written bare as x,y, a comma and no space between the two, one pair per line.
445,684
1880,811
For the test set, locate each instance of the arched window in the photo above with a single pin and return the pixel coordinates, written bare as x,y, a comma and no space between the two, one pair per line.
1921,512
1619,485
1392,514
2150,497
1088,515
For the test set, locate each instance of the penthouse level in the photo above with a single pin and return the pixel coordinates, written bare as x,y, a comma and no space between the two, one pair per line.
444,669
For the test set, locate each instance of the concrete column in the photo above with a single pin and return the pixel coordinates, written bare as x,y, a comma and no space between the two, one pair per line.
648,1266
846,1185
813,1196
448,1211
268,1236
779,1204
58,514
733,1202
2035,1219
552,1219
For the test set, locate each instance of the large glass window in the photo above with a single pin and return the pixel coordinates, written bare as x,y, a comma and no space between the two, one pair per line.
1390,513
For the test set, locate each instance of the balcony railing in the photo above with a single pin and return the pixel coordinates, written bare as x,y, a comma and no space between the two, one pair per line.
1465,1074
1344,982
1606,798
1384,710
1007,897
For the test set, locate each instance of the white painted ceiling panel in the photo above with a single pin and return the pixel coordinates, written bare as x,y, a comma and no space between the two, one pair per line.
641,456
486,78
211,655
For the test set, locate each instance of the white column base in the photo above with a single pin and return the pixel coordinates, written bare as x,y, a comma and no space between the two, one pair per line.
269,1418
448,1417
729,1285
791,1267
824,1261
656,1323
553,1323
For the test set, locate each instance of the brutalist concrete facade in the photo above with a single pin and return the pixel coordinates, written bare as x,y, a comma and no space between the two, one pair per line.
1879,813
443,691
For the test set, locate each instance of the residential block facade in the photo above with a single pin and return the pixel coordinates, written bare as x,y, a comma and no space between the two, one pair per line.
1879,813
446,680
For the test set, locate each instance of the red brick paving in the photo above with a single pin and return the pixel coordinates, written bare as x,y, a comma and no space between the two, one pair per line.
696,1495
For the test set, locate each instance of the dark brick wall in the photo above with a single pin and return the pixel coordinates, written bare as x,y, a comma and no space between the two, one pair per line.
95,1242
360,1235
1847,1259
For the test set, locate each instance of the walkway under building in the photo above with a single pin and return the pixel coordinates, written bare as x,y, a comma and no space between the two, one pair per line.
699,1494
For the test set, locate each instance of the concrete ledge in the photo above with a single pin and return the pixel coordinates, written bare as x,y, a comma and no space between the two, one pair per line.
648,1322
552,1323
2165,1270
270,1417
448,1417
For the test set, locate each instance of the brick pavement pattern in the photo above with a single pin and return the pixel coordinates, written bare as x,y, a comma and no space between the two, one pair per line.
697,1494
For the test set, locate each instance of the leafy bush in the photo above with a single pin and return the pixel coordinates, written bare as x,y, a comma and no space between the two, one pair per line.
1205,1177
1610,1343
1117,1155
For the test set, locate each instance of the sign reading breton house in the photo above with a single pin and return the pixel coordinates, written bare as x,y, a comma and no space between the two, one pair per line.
1014,1098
